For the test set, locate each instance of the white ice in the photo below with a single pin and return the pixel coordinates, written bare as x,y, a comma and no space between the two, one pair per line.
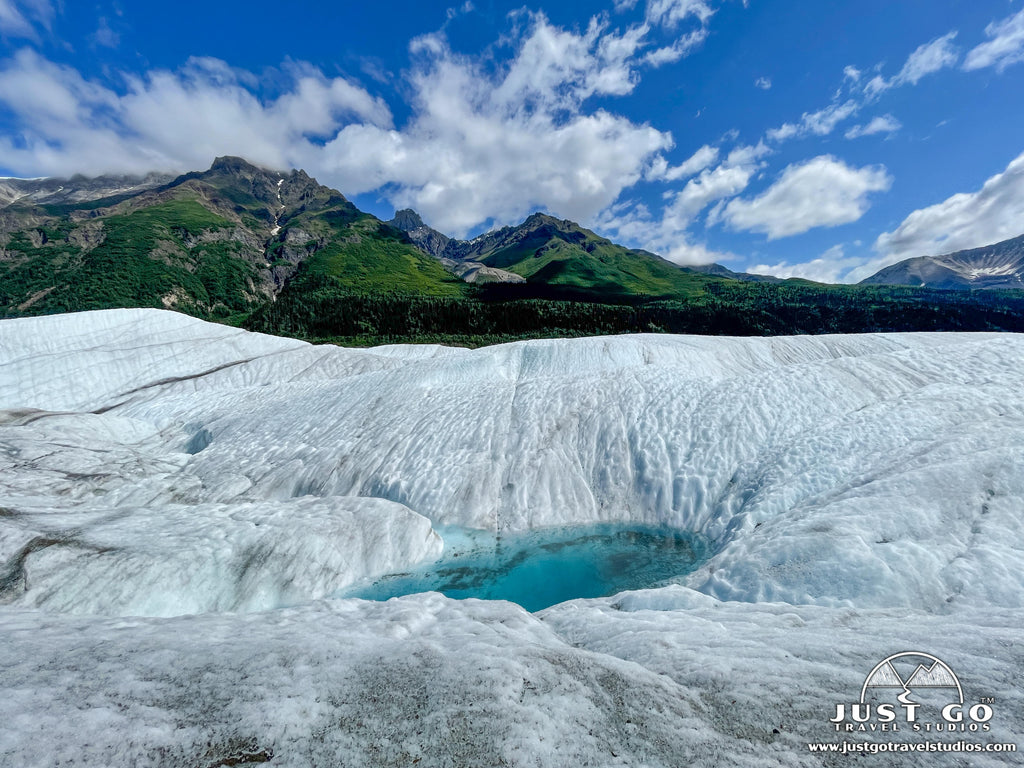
863,494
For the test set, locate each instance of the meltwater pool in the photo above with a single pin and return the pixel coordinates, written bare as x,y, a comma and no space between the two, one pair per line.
540,568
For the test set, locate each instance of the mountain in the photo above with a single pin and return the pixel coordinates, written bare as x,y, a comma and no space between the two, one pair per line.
215,243
719,271
446,250
991,267
554,252
77,189
278,252
426,238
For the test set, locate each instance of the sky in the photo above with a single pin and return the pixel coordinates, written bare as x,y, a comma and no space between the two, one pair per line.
791,137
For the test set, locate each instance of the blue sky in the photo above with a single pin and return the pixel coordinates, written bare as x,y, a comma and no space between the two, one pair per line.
793,137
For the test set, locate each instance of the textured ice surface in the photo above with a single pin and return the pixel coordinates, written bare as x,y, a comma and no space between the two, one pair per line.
861,496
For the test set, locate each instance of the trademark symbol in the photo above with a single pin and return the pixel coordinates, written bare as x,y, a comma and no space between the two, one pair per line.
987,700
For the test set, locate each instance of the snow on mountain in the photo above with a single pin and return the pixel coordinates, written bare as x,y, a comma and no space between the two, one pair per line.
997,267
862,495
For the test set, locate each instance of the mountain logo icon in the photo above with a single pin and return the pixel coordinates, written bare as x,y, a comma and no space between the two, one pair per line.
929,672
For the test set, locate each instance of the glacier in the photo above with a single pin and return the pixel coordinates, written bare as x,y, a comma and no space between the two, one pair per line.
181,503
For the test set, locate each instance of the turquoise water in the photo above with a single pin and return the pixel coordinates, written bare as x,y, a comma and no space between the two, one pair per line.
540,568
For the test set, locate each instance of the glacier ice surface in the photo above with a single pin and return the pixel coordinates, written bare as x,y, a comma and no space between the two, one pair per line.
178,500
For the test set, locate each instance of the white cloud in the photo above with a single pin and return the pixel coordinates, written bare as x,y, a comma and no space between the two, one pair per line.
764,83
633,223
483,145
106,36
558,69
697,162
669,13
851,73
824,121
680,48
18,18
167,120
966,220
820,123
669,235
926,59
875,86
883,124
711,185
685,253
822,192
466,7
1005,48
481,142
783,132
831,267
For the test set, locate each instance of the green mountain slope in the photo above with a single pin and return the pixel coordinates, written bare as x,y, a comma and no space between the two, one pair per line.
216,244
555,252
281,253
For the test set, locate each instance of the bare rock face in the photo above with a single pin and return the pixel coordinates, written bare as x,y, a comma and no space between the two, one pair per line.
453,254
77,189
992,267
427,239
474,272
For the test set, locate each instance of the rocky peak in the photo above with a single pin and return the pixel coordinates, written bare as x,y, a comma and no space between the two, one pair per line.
428,240
407,220
237,166
996,266
540,219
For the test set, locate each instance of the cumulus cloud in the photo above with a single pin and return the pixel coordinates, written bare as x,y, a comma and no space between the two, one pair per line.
669,234
831,267
167,120
18,18
966,220
822,192
883,124
633,223
484,145
482,142
1005,48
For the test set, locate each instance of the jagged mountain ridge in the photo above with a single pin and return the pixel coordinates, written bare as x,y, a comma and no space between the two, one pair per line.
448,250
502,246
551,251
215,243
991,267
221,242
77,189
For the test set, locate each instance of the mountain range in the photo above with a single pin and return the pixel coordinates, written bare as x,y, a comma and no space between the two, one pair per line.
213,243
220,241
280,252
992,267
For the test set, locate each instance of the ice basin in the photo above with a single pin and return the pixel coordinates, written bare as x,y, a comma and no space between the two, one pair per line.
543,567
